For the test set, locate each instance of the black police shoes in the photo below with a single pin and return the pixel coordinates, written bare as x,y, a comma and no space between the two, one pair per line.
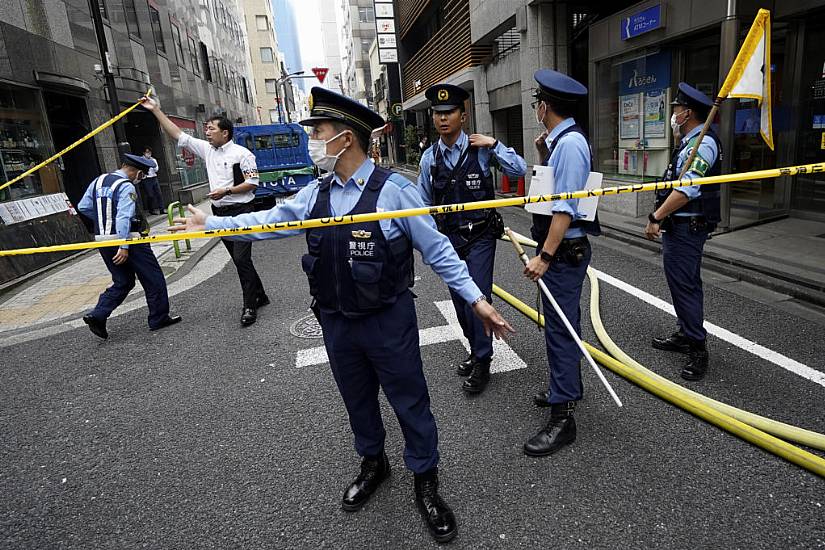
677,342
374,470
479,377
437,515
559,432
542,399
97,326
170,320
466,366
697,364
263,300
249,316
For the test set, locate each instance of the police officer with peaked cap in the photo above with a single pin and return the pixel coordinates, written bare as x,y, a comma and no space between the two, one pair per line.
684,219
110,202
456,169
563,253
359,276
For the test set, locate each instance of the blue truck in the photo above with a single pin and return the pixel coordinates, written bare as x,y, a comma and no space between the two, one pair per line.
281,152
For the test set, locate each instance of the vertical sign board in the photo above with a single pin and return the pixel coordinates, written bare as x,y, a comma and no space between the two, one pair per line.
385,31
638,23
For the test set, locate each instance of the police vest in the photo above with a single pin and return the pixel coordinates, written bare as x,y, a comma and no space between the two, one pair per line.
541,222
465,182
708,204
353,269
106,195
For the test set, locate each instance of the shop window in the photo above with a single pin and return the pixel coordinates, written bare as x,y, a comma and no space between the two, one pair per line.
157,31
193,55
131,17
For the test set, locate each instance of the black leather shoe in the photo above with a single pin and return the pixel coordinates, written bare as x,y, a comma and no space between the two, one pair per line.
479,378
170,320
249,316
559,432
97,326
677,342
697,364
263,300
373,471
437,515
542,399
466,366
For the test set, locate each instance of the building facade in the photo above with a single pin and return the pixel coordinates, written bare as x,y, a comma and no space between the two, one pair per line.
192,52
265,59
362,34
330,36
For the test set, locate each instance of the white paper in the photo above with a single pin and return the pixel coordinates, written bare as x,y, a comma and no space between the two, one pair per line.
543,183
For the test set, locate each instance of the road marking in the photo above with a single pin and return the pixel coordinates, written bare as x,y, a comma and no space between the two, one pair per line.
504,358
774,357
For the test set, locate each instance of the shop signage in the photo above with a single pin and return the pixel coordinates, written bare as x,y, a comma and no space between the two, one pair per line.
385,30
641,22
645,74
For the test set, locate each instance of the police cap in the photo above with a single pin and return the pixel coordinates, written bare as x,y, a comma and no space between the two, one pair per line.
328,105
690,97
446,97
141,163
558,86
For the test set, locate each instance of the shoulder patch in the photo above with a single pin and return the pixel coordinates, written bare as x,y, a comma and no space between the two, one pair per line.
400,181
133,196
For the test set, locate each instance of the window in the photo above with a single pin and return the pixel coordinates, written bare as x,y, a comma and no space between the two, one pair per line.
263,142
261,22
286,140
193,55
366,15
178,45
157,32
365,46
207,70
266,55
131,17
273,116
271,85
245,90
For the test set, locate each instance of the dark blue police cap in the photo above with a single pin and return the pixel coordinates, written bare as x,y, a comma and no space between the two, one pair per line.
327,105
446,97
690,97
141,163
558,86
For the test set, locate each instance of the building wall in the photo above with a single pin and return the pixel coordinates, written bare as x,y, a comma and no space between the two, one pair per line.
335,80
265,74
362,21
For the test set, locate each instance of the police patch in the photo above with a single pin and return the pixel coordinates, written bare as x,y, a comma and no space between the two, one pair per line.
133,196
361,234
443,95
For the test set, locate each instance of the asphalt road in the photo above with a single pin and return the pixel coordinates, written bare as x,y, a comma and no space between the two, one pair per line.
207,435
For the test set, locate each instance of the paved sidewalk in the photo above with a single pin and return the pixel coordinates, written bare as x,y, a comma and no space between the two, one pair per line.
72,289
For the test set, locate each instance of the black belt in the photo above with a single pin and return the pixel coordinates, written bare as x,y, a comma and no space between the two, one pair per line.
686,219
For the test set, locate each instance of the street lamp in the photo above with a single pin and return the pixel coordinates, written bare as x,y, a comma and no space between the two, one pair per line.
278,84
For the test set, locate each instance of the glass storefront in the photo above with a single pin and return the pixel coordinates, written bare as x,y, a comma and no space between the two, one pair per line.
190,167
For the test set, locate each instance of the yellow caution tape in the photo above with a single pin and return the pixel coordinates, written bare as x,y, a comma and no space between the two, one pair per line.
88,136
429,210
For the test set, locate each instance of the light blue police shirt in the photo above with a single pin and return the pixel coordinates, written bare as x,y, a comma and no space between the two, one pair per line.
708,153
397,194
511,162
571,167
125,205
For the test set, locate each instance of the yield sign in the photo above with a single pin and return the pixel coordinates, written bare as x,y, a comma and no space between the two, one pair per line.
320,73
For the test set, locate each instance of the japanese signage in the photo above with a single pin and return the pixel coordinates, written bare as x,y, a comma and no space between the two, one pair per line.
641,22
645,74
385,28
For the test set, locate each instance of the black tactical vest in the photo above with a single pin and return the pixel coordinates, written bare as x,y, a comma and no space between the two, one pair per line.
457,185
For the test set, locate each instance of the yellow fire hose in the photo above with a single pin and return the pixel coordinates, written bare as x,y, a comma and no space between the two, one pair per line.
688,400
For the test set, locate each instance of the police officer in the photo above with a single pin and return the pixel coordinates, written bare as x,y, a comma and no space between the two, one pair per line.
110,203
359,276
233,177
455,170
684,219
563,253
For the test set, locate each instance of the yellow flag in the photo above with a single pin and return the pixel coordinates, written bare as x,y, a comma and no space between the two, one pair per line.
750,75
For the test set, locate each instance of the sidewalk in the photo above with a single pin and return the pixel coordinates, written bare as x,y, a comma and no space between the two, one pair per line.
72,288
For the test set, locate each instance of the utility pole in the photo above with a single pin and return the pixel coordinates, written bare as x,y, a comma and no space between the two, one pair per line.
109,78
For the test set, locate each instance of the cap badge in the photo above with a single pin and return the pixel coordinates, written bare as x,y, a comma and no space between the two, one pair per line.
311,102
443,95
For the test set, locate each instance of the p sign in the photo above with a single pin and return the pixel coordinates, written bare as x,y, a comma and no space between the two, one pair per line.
396,109
320,73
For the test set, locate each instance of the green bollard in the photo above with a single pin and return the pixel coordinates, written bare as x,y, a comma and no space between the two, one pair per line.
170,215
182,214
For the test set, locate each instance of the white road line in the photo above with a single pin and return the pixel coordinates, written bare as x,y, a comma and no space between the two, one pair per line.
504,358
761,351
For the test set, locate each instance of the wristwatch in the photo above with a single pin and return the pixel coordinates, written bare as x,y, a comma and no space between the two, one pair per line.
481,298
652,219
546,257
228,190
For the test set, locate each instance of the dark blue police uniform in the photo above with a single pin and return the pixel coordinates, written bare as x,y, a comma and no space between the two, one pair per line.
685,231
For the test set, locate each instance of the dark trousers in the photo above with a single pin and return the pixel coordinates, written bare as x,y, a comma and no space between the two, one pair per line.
564,281
151,194
682,259
241,254
143,265
381,351
479,257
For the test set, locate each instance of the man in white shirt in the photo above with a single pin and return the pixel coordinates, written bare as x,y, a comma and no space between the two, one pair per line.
233,177
154,202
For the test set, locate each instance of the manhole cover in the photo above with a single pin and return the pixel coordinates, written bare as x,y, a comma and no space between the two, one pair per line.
306,327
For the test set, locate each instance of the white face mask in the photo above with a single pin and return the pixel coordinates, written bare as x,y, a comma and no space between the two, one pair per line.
674,124
319,156
540,119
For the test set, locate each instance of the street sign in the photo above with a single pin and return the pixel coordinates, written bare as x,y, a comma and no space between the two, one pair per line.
320,73
396,109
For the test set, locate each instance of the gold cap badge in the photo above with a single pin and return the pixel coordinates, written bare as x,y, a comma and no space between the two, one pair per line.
361,234
443,95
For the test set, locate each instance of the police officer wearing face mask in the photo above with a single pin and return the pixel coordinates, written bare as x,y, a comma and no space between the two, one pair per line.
359,276
456,170
110,202
684,218
562,255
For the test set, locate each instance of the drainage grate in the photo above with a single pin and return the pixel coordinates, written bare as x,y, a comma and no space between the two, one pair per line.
306,327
